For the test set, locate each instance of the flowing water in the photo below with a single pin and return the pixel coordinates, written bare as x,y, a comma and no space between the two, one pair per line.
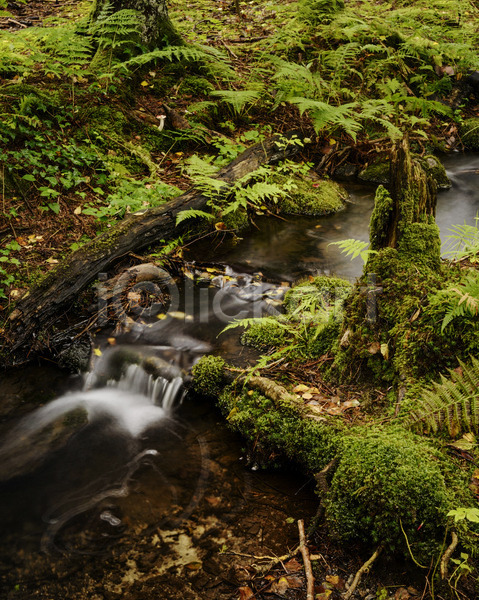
118,486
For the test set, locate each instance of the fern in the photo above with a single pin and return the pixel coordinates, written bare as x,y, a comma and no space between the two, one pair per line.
237,99
354,248
118,28
192,214
463,243
458,301
453,403
323,114
175,53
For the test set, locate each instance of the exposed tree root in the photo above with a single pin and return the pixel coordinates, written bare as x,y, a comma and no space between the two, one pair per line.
364,569
447,554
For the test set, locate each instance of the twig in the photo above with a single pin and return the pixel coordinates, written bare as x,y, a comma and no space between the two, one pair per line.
447,554
307,562
17,23
364,569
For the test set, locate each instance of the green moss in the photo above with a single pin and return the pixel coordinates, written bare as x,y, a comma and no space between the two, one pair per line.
309,197
236,220
420,242
196,86
281,428
265,334
208,375
380,218
387,479
435,169
377,172
470,133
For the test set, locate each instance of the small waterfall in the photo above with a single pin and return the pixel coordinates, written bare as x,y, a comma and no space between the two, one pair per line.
129,405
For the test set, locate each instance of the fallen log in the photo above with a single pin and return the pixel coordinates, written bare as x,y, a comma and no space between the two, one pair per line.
28,328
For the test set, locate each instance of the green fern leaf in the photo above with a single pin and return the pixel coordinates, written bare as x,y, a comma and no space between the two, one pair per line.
453,403
192,214
237,99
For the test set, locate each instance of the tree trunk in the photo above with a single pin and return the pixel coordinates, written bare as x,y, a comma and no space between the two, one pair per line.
156,29
28,330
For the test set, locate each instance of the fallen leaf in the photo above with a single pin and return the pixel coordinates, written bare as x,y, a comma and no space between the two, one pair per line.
300,388
246,593
293,566
374,348
279,587
307,396
220,226
350,404
111,341
52,261
97,352
294,582
144,83
336,582
77,210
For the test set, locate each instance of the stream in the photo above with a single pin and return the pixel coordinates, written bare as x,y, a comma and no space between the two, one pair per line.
132,490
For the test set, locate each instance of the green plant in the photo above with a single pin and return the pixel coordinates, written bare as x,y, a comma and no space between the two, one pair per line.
452,404
458,300
463,243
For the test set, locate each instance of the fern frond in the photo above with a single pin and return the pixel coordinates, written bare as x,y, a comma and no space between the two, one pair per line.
192,214
237,99
323,114
354,248
452,404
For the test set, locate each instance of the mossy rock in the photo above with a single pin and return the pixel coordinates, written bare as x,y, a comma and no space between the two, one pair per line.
435,169
470,133
265,334
388,481
208,376
378,172
311,197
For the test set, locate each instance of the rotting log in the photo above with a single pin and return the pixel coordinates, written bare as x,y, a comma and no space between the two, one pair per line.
28,329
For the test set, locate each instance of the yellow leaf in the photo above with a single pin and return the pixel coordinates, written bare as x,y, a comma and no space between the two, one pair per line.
77,210
232,413
97,352
144,83
332,142
161,316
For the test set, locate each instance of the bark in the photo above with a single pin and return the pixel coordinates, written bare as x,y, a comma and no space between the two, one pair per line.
156,27
30,324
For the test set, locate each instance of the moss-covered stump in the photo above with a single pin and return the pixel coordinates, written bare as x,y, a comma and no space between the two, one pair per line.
379,171
470,133
312,197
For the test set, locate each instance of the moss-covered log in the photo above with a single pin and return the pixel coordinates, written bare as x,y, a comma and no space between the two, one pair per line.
27,332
